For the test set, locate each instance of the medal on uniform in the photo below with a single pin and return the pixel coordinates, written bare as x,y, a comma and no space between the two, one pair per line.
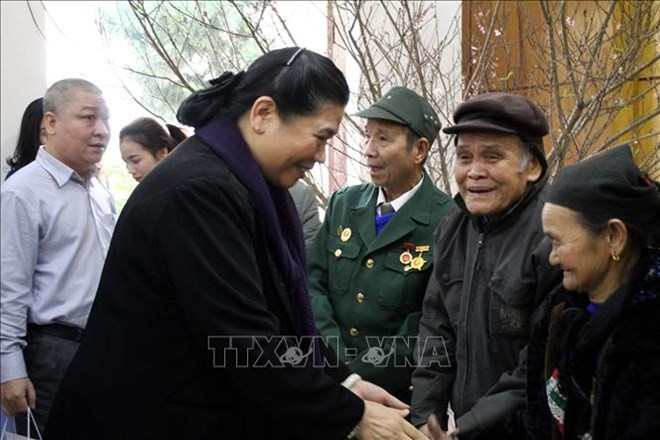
406,256
417,262
346,234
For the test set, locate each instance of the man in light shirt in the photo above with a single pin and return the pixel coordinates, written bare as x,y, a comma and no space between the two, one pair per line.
56,222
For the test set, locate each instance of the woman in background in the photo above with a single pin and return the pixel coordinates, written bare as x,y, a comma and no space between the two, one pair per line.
594,360
31,136
144,143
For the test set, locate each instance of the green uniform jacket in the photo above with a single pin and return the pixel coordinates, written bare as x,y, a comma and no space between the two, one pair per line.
366,301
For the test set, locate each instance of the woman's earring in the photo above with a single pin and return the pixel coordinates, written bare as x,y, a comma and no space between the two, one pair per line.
615,257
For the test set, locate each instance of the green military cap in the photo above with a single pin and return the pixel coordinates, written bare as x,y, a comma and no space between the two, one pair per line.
406,107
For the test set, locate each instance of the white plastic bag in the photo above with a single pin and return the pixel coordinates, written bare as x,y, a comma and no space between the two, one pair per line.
8,435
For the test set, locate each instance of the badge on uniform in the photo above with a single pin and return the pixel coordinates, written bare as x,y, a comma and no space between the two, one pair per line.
406,257
417,263
410,262
346,234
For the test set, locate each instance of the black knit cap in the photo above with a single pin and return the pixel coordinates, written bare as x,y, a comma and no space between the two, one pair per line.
503,113
610,185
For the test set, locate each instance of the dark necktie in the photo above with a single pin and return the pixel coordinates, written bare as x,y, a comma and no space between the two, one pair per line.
386,214
386,208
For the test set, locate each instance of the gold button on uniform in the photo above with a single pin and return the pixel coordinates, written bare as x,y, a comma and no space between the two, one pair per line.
338,253
369,263
353,331
359,297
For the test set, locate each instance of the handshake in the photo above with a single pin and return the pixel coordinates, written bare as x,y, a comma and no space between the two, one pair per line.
384,416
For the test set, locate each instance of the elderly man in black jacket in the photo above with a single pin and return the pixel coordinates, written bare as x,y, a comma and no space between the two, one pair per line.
490,272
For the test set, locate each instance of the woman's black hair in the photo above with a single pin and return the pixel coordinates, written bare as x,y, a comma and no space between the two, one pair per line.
28,137
177,133
151,135
299,81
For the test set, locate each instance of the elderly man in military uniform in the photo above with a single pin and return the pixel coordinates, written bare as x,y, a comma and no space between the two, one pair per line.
372,258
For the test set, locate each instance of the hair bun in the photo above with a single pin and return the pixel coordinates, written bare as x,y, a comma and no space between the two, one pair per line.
202,105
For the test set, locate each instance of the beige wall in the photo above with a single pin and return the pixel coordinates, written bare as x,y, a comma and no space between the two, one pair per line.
23,67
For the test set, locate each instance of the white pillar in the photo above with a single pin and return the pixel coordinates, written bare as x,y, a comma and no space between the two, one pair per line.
23,67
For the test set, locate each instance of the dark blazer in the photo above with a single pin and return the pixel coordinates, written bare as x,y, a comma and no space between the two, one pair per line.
188,268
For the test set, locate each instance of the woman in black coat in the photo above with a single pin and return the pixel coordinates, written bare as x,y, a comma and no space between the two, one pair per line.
201,327
594,363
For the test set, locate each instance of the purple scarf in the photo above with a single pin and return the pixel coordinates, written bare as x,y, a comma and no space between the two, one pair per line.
275,206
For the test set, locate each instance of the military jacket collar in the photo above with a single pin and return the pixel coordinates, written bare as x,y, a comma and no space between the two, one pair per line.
415,212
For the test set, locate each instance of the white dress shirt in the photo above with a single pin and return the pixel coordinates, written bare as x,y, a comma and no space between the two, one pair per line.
399,201
55,232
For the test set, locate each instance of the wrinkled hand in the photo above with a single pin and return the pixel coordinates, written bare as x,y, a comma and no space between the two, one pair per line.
373,393
16,395
434,431
382,423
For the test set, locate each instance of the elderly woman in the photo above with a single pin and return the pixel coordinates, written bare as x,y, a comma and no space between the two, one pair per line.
594,365
201,327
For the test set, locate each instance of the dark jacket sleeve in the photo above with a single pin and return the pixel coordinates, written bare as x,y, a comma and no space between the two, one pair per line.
433,378
503,400
335,368
220,280
507,396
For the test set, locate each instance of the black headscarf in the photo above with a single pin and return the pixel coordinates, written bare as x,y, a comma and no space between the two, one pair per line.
610,185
